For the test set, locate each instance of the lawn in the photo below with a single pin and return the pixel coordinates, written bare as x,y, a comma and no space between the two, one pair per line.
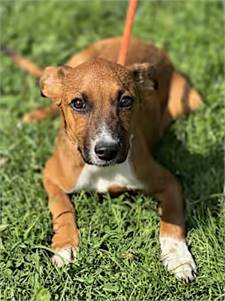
119,253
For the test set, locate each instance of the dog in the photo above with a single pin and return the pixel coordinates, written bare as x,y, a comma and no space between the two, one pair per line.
112,116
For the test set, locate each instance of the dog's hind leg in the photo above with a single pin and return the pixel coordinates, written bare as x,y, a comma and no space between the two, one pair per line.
183,99
40,114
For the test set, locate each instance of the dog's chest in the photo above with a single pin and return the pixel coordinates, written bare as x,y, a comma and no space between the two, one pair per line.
99,179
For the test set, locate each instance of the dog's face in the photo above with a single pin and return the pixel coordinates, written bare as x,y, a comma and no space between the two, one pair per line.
98,101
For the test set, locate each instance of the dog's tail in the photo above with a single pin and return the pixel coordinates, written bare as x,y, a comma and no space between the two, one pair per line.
23,62
183,99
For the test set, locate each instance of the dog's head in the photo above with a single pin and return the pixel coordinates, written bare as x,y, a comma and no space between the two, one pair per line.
98,100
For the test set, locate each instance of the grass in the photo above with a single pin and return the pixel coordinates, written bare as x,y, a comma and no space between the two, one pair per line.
119,253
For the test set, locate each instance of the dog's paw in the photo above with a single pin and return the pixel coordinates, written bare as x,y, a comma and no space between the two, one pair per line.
64,256
177,258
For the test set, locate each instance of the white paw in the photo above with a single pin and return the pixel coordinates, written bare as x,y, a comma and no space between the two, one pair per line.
64,256
177,259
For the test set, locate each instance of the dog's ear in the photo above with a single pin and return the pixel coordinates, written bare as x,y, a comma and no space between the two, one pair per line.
144,75
51,82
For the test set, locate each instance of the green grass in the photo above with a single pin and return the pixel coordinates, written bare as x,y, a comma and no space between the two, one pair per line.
119,252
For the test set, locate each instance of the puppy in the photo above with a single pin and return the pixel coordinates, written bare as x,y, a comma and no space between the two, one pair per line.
112,116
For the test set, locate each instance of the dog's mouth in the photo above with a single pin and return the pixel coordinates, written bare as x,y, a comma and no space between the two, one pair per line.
102,163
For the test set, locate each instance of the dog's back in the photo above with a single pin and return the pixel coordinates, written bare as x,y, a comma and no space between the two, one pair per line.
139,52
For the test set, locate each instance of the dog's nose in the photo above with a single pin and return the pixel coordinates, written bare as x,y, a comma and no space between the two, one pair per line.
107,150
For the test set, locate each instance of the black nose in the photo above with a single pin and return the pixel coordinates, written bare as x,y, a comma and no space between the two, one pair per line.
107,150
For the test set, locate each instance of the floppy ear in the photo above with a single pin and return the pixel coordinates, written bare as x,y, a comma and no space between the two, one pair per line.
144,75
51,82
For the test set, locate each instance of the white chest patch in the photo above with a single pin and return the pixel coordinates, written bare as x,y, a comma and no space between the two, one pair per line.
99,179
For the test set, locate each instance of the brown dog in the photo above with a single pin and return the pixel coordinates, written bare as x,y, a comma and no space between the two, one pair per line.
111,118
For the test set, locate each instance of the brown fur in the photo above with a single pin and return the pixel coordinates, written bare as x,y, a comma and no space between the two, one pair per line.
161,94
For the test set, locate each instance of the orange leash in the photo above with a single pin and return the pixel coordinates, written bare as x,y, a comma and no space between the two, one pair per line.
127,32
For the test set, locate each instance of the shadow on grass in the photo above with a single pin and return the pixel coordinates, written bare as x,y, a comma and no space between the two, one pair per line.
201,176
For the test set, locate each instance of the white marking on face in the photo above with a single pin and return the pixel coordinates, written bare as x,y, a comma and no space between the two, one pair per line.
103,134
177,258
97,178
64,256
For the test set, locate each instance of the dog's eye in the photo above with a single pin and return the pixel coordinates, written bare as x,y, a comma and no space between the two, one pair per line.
125,102
78,104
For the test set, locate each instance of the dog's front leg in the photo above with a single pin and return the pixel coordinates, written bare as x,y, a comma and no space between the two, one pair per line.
166,188
65,240
175,254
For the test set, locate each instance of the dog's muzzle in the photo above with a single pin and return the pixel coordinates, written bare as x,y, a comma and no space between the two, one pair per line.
105,147
105,153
